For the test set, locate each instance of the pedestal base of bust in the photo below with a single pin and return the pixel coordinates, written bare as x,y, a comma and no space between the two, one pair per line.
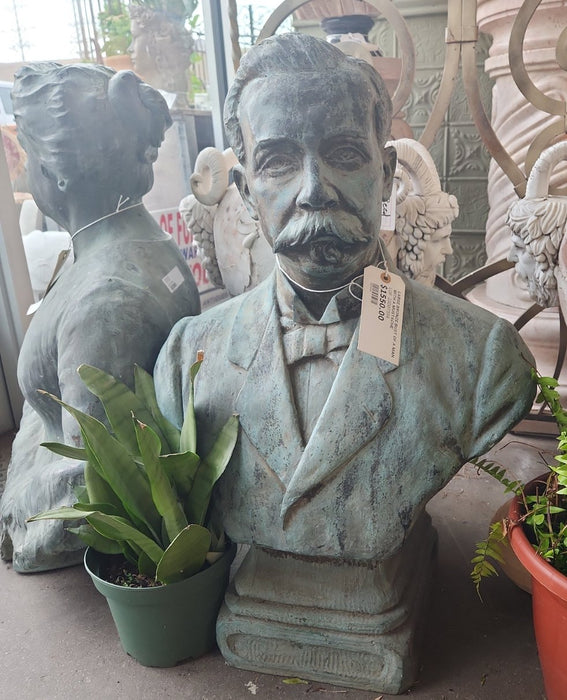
350,623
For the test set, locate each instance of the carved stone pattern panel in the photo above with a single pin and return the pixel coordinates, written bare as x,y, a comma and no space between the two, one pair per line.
429,39
383,36
473,204
422,98
467,154
468,255
459,110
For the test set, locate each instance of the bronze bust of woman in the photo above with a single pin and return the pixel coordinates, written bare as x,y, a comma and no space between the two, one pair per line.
91,136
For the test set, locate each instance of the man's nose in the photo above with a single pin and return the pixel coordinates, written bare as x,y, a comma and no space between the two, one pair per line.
316,193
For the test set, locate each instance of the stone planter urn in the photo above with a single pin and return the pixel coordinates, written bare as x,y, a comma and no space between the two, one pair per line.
161,50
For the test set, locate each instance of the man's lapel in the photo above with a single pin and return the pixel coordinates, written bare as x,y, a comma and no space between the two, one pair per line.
265,402
358,406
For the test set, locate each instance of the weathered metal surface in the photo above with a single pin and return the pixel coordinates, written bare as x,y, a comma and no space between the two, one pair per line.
324,476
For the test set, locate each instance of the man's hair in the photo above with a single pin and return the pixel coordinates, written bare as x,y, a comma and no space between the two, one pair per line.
300,53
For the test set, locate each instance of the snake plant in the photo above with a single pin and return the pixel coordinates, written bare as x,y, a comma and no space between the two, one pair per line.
146,492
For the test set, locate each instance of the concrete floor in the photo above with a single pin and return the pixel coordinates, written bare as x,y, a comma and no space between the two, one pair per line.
57,639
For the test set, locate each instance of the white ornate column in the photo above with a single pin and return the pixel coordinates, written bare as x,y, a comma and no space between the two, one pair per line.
517,123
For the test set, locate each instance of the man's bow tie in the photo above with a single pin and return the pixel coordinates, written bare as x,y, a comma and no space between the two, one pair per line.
316,340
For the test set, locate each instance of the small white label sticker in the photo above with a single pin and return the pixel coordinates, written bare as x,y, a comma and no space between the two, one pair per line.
389,211
382,314
173,280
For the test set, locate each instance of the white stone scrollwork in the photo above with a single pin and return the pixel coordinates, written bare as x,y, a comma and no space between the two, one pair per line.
538,224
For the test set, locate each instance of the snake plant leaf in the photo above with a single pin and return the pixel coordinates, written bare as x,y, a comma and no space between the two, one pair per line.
188,438
66,450
145,390
145,565
119,403
185,556
133,554
164,496
61,513
81,493
105,508
98,489
118,468
181,468
210,470
93,539
116,528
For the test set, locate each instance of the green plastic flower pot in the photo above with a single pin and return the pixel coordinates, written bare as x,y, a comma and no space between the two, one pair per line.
164,625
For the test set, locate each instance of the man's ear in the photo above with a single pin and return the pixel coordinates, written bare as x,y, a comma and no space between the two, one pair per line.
242,185
389,160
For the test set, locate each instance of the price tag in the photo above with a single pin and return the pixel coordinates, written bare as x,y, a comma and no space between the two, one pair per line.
382,314
389,211
173,280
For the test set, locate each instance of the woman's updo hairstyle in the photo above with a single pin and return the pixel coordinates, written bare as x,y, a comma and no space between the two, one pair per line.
86,122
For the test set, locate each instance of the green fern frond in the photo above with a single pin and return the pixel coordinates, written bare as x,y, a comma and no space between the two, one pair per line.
548,394
498,472
486,552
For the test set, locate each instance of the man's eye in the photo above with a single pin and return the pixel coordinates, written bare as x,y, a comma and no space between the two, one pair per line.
346,157
277,165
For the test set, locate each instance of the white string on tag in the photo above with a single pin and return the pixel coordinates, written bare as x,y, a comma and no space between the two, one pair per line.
355,284
64,254
307,289
119,209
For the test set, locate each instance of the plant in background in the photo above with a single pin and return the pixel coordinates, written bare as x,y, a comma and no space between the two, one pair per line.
545,511
114,23
147,492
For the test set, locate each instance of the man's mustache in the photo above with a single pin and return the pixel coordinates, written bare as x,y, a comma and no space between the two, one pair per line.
312,226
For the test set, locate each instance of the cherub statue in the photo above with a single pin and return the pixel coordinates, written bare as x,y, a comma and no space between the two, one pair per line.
235,254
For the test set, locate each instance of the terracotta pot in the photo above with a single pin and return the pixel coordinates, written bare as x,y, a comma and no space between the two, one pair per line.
549,605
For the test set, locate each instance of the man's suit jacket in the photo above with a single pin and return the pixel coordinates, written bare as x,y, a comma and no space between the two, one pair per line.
387,440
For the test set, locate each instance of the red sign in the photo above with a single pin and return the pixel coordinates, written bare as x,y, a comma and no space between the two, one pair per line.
171,221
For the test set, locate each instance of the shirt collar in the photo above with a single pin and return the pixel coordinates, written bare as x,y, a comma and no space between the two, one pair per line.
341,307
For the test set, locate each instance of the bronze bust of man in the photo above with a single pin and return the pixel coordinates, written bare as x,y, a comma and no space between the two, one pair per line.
339,450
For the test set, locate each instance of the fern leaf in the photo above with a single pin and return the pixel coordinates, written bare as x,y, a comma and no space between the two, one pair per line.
485,551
